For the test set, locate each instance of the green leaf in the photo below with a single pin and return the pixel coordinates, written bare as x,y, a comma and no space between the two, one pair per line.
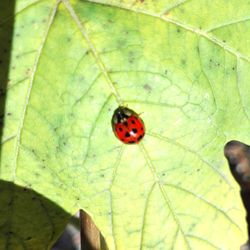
184,65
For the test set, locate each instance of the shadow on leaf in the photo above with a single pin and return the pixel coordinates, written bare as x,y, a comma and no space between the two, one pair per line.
7,9
27,219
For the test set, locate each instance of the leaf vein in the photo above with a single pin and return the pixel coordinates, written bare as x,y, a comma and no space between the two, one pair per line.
20,11
145,214
239,92
115,167
205,201
163,192
168,140
97,57
27,99
173,6
93,128
195,30
202,239
245,19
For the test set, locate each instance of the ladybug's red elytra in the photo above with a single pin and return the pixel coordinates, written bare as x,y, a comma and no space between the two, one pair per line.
127,125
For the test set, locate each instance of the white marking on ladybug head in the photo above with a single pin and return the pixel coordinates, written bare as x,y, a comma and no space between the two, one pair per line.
123,119
127,112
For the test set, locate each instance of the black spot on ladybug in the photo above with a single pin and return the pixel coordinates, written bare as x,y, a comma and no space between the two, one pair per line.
134,130
139,138
120,129
133,121
127,134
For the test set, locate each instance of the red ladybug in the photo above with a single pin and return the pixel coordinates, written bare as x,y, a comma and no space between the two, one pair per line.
128,127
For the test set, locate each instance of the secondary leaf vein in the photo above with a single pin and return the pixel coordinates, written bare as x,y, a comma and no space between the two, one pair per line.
27,99
99,62
163,192
195,30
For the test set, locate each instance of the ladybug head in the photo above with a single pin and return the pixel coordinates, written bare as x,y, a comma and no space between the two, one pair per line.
121,114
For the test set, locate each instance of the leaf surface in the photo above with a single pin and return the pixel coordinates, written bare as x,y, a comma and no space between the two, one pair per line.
184,65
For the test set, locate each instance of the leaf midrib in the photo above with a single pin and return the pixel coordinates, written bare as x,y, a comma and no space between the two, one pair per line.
118,99
99,62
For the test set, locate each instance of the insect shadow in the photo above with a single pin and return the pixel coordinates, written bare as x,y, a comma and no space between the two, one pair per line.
238,157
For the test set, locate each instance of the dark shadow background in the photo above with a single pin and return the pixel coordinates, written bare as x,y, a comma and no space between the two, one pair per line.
7,9
28,219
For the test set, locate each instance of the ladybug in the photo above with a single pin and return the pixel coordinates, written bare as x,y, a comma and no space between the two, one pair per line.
127,125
